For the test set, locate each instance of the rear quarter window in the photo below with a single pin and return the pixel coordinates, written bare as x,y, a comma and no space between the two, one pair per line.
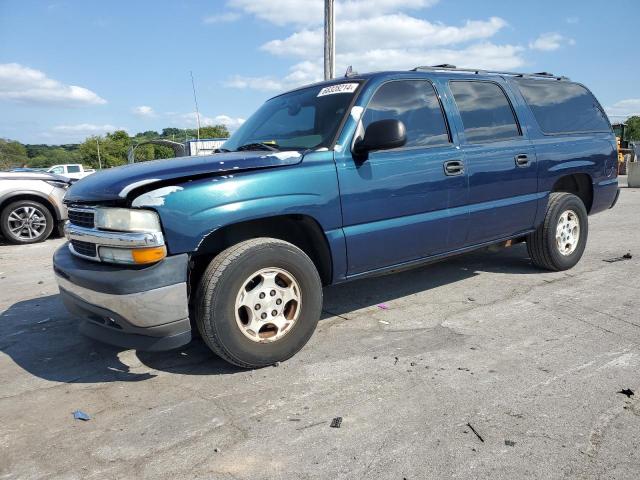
563,107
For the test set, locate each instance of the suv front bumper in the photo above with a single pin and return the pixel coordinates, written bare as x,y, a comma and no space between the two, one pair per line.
143,308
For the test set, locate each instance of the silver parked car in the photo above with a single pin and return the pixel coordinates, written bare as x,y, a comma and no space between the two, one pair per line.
31,206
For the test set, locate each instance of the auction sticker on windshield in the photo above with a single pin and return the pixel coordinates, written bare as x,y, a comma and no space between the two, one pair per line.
339,88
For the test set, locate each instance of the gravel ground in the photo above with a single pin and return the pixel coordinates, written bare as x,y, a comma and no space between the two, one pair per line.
479,367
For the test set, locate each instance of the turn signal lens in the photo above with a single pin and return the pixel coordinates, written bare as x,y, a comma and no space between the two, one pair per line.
133,256
148,255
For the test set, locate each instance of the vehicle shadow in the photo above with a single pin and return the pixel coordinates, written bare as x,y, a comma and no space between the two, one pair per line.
42,338
345,298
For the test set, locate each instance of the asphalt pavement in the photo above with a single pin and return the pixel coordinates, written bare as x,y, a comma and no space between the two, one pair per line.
481,366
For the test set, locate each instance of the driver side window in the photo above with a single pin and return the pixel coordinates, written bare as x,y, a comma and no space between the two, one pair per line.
414,103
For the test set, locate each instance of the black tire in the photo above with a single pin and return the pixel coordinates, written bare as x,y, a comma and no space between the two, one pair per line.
541,244
216,301
7,222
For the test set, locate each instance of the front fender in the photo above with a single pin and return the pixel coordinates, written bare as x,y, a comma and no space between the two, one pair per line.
192,210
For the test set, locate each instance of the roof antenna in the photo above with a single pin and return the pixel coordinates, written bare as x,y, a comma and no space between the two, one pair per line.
350,72
195,100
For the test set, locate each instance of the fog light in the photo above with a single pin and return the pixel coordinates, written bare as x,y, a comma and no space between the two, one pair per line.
133,256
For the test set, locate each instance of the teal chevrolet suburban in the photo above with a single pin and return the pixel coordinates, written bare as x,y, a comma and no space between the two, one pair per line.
327,183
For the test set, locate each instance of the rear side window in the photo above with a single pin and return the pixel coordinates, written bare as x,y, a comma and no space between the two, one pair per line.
414,103
563,107
485,111
73,169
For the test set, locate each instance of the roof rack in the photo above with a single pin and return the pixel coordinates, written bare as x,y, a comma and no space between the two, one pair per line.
477,71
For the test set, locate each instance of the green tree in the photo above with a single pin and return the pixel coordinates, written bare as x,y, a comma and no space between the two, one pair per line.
12,154
214,131
633,128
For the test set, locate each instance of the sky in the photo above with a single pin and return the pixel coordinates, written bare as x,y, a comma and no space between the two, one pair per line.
72,68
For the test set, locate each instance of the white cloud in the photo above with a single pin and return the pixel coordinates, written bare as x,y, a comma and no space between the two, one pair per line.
189,120
226,17
309,13
548,42
144,111
372,35
624,108
397,31
86,129
27,85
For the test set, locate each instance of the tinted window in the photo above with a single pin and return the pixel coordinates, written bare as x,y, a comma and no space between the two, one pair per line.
73,169
485,110
57,170
562,107
415,104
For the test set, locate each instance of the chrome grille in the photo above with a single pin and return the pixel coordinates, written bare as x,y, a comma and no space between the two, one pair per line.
81,217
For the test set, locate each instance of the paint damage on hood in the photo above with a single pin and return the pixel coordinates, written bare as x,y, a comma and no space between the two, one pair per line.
114,185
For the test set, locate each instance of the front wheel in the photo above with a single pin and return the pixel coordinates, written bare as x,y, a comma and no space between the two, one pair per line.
26,221
258,302
558,244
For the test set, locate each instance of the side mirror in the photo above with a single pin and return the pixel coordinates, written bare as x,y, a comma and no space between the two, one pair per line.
382,135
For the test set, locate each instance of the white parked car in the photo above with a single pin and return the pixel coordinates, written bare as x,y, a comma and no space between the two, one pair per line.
71,170
31,206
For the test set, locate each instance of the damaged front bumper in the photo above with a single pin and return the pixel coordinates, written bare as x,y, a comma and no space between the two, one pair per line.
143,308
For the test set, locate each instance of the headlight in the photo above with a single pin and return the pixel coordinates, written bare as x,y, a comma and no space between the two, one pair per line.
127,220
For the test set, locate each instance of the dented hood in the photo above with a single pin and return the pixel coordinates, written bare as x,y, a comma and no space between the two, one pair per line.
115,184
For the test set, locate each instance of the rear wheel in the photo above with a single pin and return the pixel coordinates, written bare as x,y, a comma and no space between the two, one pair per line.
558,244
258,302
26,221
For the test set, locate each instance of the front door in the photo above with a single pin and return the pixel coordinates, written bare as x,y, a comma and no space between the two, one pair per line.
500,161
407,203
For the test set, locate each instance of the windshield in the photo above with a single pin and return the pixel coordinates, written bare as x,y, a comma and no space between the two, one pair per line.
300,120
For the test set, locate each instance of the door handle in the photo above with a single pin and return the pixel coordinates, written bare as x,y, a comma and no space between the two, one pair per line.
453,167
522,160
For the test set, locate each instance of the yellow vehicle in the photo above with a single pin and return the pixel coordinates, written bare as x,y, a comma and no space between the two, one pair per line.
624,152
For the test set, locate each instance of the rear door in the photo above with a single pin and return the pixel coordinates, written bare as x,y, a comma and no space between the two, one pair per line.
400,205
500,161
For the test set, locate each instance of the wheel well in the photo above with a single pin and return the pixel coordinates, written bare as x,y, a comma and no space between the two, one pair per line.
36,198
300,230
579,184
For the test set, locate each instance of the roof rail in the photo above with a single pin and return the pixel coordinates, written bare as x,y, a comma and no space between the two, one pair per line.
477,71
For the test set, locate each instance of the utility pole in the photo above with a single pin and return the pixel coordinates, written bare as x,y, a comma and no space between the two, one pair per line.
329,40
99,162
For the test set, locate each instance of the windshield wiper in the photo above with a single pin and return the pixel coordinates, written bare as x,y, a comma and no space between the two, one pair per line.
272,147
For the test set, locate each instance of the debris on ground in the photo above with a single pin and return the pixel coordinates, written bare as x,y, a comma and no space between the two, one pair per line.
510,443
396,360
384,322
45,320
40,282
311,425
336,422
626,256
413,364
464,369
471,299
383,306
217,450
474,431
80,415
277,364
627,391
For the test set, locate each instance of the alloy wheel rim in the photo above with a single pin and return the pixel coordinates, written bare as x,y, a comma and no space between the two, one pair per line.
268,305
27,223
568,232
